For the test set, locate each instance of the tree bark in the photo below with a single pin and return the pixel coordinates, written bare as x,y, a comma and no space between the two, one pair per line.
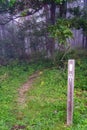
52,19
52,12
63,9
85,6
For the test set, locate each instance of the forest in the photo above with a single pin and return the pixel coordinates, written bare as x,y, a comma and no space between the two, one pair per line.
37,40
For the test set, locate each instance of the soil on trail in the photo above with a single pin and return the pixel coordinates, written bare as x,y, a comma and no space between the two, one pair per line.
22,98
25,88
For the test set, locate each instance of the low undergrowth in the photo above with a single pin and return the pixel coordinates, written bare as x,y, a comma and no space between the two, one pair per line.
11,78
45,107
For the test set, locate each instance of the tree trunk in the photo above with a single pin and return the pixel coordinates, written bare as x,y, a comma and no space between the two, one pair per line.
46,11
86,41
52,12
52,19
63,9
85,6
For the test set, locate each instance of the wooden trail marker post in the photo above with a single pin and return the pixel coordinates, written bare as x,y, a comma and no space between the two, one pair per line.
71,69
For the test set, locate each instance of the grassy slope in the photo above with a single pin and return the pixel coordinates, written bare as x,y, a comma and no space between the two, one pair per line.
46,102
11,78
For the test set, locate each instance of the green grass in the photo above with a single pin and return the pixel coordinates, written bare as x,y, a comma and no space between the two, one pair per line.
11,78
47,102
45,108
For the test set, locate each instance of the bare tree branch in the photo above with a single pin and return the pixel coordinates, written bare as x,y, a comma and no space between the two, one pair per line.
28,13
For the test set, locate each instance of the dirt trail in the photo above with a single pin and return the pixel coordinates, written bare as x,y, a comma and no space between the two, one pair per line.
22,97
25,88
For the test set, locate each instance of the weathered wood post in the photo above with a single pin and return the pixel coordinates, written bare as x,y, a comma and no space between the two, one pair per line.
71,69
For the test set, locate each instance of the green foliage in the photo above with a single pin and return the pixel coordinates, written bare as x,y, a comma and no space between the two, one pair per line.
79,23
3,4
61,31
76,11
24,13
12,2
59,1
79,19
